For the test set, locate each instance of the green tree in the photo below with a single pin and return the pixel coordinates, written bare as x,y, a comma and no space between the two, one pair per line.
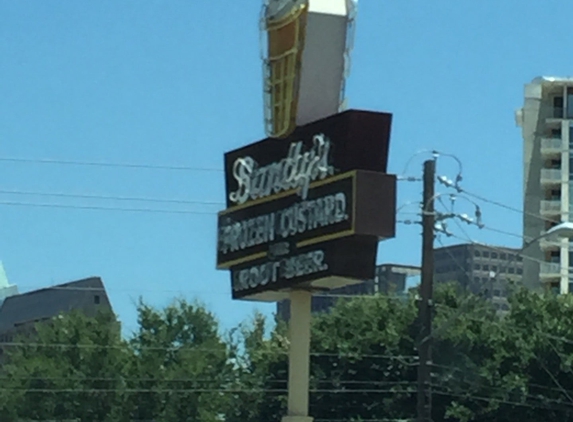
363,363
513,368
71,367
181,365
175,367
485,366
261,363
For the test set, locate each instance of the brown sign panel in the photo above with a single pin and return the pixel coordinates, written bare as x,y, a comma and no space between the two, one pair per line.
352,140
309,210
319,266
353,203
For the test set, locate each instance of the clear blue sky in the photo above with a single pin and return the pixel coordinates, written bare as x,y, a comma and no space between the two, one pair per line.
179,83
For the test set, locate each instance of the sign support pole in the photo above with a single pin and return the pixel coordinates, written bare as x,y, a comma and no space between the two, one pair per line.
299,356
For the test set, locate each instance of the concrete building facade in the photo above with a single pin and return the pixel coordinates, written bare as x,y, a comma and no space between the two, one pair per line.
482,270
546,121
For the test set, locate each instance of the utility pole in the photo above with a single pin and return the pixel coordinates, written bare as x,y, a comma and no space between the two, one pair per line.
424,408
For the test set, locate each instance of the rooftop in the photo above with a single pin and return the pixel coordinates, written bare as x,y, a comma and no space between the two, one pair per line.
48,302
549,80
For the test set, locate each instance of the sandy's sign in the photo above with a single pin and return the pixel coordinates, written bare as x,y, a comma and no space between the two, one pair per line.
309,209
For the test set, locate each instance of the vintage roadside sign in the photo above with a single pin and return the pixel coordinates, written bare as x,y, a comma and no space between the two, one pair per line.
339,206
352,140
317,267
309,210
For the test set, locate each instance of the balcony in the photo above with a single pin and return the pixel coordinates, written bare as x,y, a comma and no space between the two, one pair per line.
551,146
556,114
559,113
548,270
552,207
550,176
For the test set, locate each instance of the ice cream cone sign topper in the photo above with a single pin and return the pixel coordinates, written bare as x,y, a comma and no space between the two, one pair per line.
306,48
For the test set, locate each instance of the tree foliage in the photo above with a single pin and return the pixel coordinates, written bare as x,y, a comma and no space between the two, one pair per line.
179,366
77,368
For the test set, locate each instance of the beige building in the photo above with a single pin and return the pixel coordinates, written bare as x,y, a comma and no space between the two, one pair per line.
482,270
546,120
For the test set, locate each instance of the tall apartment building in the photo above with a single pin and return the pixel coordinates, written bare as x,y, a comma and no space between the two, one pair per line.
389,279
546,120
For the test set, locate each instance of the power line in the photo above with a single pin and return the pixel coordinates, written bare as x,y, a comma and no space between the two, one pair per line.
107,164
537,386
366,420
202,390
503,401
195,380
191,349
109,197
101,208
508,207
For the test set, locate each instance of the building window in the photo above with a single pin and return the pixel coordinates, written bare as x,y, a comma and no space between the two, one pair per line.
496,293
477,267
486,267
96,299
494,255
558,107
519,271
556,133
569,103
503,256
554,195
476,253
494,268
511,270
486,254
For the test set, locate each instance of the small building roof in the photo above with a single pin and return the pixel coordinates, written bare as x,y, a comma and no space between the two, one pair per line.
51,301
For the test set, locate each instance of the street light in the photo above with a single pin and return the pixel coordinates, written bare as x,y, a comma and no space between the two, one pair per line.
562,230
